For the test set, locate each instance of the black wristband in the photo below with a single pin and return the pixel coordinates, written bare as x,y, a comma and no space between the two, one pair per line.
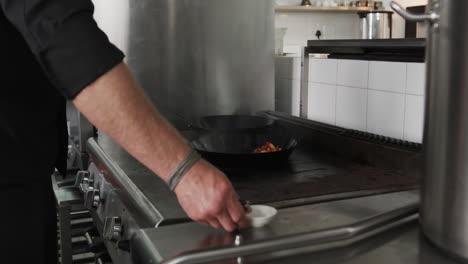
182,168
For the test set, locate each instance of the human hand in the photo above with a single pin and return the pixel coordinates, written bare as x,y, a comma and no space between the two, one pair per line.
207,196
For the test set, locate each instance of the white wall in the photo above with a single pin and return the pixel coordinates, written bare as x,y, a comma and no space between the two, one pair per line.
302,26
385,98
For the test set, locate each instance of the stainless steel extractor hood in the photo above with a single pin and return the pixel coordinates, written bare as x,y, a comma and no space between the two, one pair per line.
197,57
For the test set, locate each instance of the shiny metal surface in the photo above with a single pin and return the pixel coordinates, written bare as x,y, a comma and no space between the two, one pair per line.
401,245
150,208
80,130
312,175
343,235
114,169
375,24
304,98
445,185
335,197
113,205
431,16
306,168
198,57
113,228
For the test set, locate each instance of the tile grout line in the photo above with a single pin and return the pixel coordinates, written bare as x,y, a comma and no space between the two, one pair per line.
354,87
367,97
336,90
350,86
385,91
405,101
413,94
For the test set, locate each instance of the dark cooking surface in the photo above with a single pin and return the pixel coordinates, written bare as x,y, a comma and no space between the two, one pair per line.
312,174
324,162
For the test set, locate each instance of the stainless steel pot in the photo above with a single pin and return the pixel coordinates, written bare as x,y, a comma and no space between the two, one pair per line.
444,207
375,24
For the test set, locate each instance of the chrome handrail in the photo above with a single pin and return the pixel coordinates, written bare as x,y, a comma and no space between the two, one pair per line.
347,234
431,16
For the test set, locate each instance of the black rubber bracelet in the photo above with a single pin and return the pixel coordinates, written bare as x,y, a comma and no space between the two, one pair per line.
183,167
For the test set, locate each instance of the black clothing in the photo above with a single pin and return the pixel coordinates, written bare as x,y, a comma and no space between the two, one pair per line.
29,223
49,51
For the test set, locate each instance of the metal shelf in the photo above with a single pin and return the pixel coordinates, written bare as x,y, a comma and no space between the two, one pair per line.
320,9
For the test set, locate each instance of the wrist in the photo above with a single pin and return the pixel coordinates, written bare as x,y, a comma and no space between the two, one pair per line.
183,168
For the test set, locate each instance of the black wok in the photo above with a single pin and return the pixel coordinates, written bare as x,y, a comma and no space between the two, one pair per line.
236,148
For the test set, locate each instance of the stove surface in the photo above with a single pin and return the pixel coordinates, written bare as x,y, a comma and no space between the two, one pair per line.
323,164
310,174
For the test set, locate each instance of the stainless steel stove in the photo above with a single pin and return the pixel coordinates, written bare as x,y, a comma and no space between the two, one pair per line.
139,220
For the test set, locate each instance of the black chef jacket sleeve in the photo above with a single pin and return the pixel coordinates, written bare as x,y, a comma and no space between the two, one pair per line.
65,39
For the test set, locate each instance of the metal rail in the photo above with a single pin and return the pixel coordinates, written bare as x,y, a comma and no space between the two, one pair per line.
304,90
132,196
430,16
326,238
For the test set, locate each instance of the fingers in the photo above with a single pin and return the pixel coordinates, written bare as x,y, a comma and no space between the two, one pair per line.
214,223
226,221
237,213
229,218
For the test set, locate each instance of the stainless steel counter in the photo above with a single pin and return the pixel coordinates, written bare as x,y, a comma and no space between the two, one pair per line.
403,244
149,197
142,202
310,176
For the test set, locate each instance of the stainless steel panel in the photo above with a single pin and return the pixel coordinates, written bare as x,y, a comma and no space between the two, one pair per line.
445,187
143,193
197,57
158,245
304,100
315,240
80,130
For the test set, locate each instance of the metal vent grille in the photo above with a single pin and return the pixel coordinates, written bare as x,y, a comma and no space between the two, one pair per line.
379,139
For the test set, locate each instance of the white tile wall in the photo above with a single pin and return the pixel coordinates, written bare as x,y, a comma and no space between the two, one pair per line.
387,76
322,102
385,113
387,100
414,118
353,73
351,108
415,82
323,70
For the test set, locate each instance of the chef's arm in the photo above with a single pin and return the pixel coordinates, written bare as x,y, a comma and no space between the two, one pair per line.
116,105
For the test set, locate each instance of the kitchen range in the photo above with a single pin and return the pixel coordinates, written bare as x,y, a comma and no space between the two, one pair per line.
330,163
342,195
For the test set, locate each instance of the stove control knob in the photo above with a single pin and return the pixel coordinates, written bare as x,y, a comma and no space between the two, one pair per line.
80,176
113,228
92,198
